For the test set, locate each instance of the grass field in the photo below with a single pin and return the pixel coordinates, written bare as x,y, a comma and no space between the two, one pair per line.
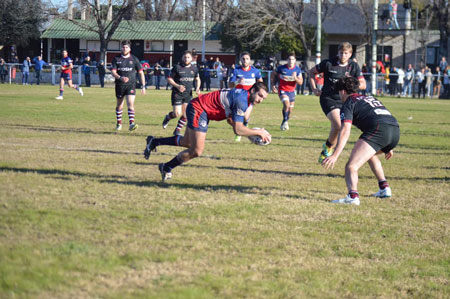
83,214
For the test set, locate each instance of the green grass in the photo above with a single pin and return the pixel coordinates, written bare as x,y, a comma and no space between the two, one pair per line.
83,214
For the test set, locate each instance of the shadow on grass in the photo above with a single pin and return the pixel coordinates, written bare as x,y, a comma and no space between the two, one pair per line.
59,172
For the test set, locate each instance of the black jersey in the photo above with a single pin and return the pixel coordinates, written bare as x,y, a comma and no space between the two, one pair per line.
126,67
365,112
332,72
184,75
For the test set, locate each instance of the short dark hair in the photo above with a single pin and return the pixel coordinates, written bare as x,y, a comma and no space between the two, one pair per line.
245,53
187,52
349,84
260,85
126,43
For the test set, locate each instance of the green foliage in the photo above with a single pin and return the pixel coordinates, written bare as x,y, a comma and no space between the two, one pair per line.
20,21
84,215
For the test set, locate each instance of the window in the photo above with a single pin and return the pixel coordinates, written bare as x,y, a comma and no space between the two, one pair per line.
157,46
114,45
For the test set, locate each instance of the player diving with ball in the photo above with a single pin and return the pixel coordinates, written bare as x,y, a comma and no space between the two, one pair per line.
233,105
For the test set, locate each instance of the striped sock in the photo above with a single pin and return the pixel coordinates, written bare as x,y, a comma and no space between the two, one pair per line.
119,116
131,116
383,184
181,123
61,91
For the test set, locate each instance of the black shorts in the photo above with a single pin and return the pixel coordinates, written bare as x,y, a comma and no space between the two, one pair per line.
382,137
330,102
125,90
181,98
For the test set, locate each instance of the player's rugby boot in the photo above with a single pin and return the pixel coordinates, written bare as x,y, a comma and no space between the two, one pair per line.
118,127
150,147
237,138
284,125
165,122
165,175
59,97
348,200
383,193
326,152
80,90
133,127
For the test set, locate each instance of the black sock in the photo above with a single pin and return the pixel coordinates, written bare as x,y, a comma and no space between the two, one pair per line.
173,141
172,164
383,184
328,143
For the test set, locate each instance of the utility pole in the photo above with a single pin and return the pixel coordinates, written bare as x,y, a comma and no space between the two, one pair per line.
374,47
319,31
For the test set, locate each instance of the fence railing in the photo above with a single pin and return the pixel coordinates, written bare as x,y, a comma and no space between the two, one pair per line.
50,75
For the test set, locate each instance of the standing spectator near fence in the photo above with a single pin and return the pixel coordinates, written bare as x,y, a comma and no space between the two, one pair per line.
224,76
393,77
14,60
38,66
437,82
166,75
101,72
3,70
443,63
422,82
26,65
157,74
87,71
429,81
400,80
446,81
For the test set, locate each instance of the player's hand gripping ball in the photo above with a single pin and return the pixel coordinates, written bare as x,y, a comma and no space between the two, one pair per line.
255,139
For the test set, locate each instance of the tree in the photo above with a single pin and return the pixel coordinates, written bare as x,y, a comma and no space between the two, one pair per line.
441,9
255,22
101,25
160,10
20,21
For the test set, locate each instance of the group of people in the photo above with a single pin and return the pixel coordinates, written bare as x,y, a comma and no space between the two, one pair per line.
415,82
340,101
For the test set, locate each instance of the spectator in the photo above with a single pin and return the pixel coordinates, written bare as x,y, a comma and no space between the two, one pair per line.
218,71
38,65
437,82
224,76
87,70
393,15
387,80
101,72
14,60
443,64
409,76
422,82
147,71
393,78
26,65
157,75
3,70
429,81
201,72
446,82
207,77
400,80
166,75
366,73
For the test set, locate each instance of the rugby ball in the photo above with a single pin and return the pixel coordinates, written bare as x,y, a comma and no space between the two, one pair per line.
255,139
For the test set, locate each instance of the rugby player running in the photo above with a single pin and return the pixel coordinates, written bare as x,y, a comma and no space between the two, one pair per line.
124,68
381,134
334,69
232,105
182,78
289,75
66,75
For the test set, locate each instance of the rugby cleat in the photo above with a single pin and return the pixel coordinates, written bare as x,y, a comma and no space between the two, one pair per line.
237,138
118,127
284,125
133,127
165,175
383,193
165,122
150,147
59,97
347,200
80,90
326,152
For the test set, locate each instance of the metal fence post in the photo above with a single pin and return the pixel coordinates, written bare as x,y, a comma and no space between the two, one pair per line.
53,75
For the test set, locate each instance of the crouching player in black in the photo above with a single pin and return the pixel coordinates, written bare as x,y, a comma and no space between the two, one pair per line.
381,134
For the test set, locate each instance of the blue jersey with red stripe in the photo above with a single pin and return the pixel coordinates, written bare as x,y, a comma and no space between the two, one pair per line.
221,104
249,76
286,77
65,62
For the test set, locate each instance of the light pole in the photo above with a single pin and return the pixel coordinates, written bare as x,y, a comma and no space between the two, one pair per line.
374,47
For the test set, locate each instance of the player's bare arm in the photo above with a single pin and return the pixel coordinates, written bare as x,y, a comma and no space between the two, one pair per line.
141,74
198,82
241,130
298,78
343,137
